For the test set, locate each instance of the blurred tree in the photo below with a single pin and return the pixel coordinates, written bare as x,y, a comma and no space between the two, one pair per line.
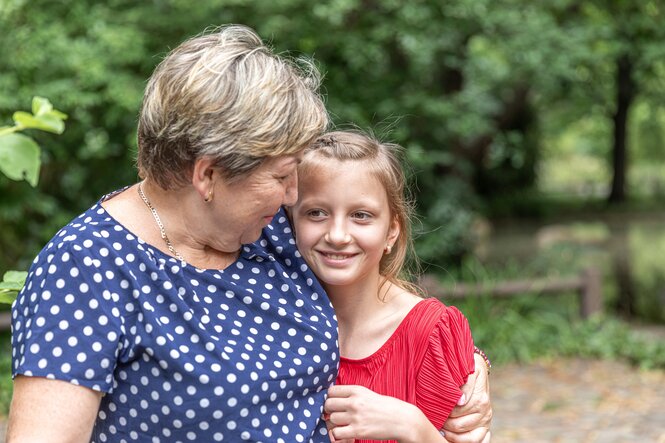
463,84
626,63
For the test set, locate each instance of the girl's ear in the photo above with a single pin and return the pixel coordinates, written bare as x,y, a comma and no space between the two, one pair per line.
203,177
393,232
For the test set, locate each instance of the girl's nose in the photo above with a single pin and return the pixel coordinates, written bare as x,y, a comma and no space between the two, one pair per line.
337,234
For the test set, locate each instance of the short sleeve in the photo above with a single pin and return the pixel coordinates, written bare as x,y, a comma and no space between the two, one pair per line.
447,363
65,323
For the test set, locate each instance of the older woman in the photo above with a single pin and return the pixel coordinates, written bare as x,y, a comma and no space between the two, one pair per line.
178,309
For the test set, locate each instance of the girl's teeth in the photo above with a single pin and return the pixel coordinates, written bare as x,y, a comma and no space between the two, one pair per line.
336,257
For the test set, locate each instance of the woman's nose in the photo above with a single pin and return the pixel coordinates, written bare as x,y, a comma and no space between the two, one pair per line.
291,192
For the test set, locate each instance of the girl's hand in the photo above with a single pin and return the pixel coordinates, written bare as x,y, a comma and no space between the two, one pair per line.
357,412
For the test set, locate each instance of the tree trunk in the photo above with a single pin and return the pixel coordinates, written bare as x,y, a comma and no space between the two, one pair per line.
625,303
625,95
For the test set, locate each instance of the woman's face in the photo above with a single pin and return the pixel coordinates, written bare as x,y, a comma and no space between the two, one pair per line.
243,208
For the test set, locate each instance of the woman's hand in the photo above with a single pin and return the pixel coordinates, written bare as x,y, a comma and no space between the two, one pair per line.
357,412
470,422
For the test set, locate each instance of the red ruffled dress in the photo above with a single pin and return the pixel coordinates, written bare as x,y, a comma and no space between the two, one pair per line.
424,362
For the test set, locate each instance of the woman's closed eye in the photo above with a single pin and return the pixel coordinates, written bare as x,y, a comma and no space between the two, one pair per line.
282,178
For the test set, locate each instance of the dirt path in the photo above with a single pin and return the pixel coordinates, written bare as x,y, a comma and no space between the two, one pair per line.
578,401
573,401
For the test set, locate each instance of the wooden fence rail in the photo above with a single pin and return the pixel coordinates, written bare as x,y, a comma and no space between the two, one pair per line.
588,285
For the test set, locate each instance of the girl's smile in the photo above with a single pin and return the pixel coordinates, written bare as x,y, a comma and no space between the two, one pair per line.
343,222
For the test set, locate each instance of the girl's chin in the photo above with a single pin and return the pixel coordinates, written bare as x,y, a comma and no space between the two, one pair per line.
332,280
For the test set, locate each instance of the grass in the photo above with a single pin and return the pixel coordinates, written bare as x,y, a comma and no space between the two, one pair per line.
528,327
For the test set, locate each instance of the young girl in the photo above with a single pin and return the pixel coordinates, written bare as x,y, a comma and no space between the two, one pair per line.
403,358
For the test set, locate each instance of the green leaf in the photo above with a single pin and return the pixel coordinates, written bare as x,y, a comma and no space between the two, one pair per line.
11,285
41,106
7,130
15,277
58,114
47,122
6,286
7,297
19,158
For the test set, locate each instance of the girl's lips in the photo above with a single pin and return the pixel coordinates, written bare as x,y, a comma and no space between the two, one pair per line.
336,258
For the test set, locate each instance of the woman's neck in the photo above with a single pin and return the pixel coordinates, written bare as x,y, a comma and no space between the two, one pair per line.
174,208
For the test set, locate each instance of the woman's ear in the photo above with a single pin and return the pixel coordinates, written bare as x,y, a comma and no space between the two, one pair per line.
204,175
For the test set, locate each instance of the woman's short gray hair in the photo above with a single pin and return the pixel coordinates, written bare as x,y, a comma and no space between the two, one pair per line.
225,95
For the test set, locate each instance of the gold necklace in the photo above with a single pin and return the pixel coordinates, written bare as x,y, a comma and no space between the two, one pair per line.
162,231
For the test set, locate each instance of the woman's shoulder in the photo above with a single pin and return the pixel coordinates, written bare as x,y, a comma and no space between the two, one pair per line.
277,241
93,236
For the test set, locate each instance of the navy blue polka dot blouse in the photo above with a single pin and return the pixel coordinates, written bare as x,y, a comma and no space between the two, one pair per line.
182,354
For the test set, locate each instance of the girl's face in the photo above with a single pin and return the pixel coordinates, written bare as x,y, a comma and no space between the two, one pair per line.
343,222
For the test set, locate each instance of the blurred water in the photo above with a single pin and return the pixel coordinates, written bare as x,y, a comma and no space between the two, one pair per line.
628,248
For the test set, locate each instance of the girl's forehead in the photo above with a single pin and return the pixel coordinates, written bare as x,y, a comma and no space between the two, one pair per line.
321,162
330,169
340,175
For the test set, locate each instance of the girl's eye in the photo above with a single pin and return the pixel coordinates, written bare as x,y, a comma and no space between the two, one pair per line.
315,213
362,216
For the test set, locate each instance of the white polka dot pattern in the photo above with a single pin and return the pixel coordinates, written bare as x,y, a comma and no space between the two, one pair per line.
184,354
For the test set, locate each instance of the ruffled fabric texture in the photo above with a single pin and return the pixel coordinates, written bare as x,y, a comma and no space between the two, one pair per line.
424,362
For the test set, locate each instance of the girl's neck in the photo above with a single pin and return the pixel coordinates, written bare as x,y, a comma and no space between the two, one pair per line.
368,314
352,300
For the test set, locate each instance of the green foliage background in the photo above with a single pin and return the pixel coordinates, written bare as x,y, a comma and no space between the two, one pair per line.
475,89
496,101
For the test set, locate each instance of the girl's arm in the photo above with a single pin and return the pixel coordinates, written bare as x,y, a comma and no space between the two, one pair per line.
54,411
357,412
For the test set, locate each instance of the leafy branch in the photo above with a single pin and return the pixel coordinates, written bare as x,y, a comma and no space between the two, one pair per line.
20,160
20,154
